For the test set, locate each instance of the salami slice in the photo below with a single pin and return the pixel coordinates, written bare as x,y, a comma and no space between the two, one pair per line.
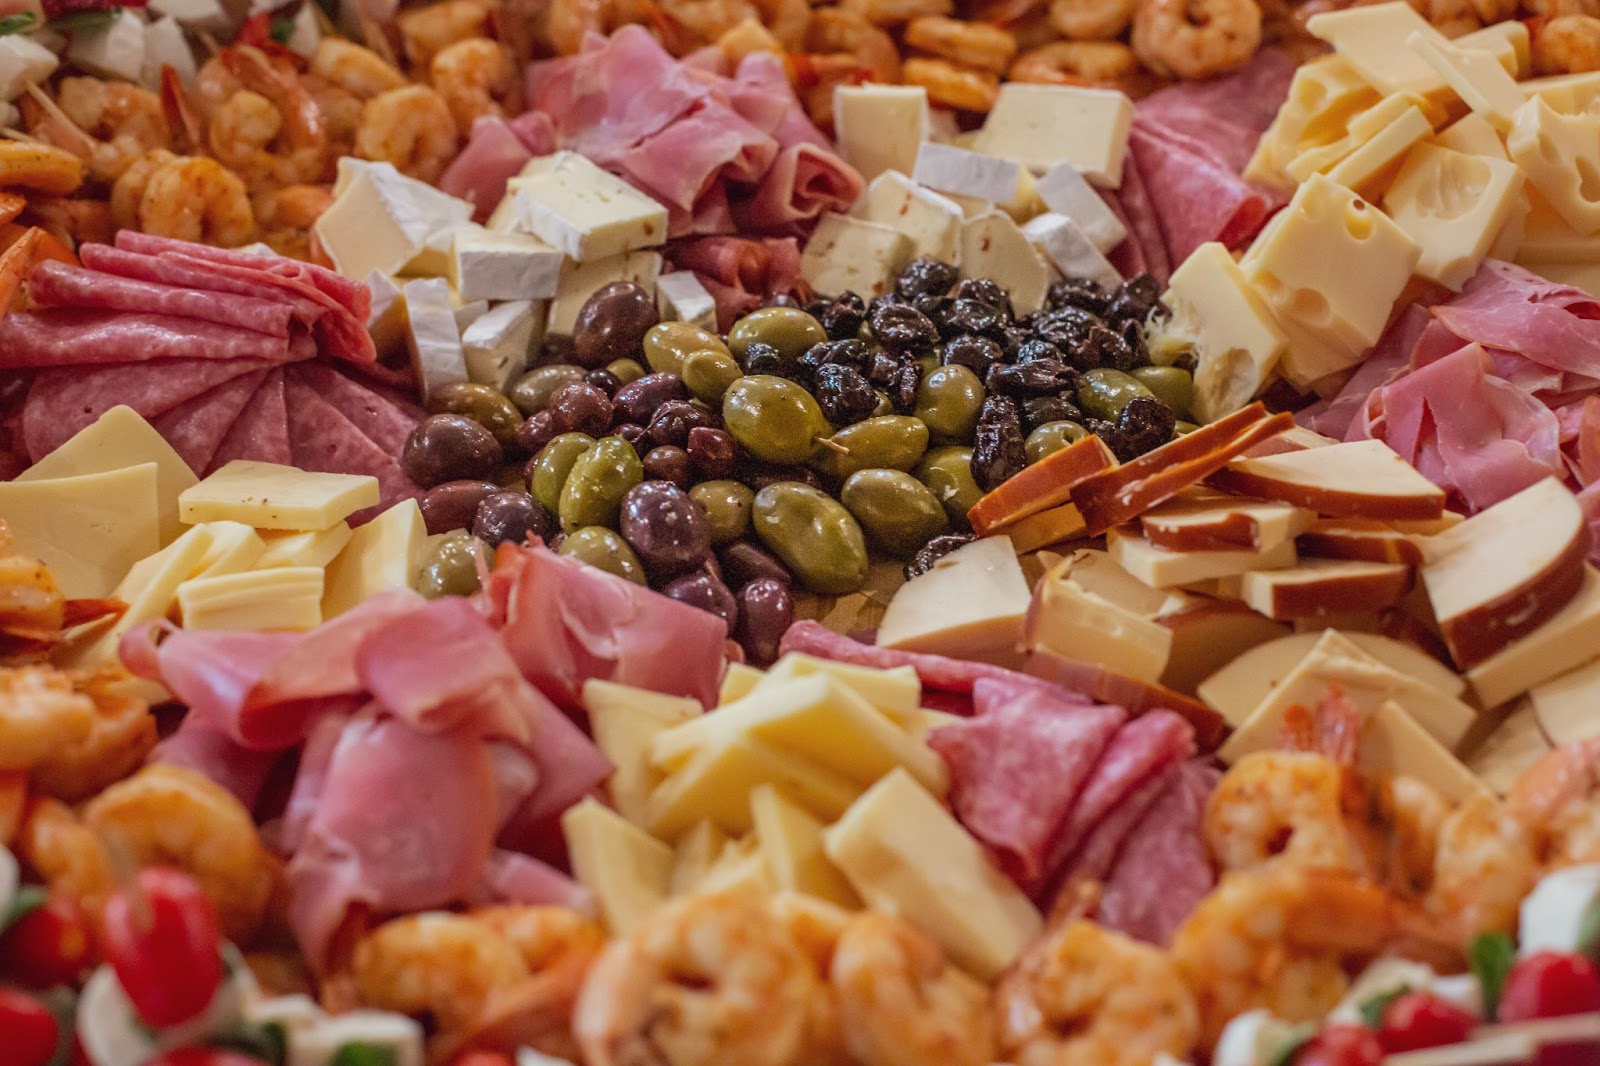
197,427
191,274
55,284
1145,250
61,337
1198,198
1098,853
386,422
261,431
322,439
1164,867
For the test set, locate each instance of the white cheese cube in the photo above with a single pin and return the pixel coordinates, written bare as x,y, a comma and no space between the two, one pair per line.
1454,206
1250,1039
498,345
504,266
380,219
396,1033
1042,125
993,246
1236,338
115,50
932,221
23,62
1065,191
387,320
468,313
587,212
1070,249
579,281
432,335
957,171
847,253
436,257
166,46
206,15
1553,913
880,127
681,298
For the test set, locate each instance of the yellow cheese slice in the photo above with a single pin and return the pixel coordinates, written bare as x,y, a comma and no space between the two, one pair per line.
698,851
308,548
1568,707
738,682
625,722
88,529
895,691
270,496
386,553
235,547
1454,206
150,590
716,785
288,597
627,869
790,839
1514,744
1393,745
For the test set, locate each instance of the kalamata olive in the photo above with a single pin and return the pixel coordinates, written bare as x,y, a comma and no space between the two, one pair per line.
668,529
766,609
449,447
579,407
743,562
483,405
537,431
704,591
452,505
511,516
712,451
612,324
604,380
667,463
637,401
674,419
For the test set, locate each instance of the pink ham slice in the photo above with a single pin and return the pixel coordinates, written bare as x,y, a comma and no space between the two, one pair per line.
741,273
197,427
54,284
1197,198
77,337
492,156
1164,867
238,769
261,431
511,877
210,672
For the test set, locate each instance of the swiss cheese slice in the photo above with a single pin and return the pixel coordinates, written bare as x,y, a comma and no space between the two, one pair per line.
88,529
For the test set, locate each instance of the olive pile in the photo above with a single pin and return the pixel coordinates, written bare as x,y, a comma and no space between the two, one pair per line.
720,470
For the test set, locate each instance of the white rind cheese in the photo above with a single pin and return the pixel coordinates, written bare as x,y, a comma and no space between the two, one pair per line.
433,336
586,212
1064,190
1070,249
504,266
959,172
680,297
112,51
499,344
847,253
880,127
380,219
930,220
1552,916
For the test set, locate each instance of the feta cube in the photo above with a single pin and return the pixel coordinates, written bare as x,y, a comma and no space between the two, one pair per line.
1070,249
1065,191
166,46
380,219
681,298
847,253
505,266
587,212
498,346
115,50
1042,125
1553,913
208,15
306,34
23,62
880,127
947,169
579,281
432,335
932,221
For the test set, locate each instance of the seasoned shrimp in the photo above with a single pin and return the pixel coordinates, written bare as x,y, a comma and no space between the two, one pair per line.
1558,798
472,76
950,85
896,12
411,128
557,946
359,71
66,854
30,600
436,966
1569,44
705,980
1485,863
747,38
427,31
341,112
1091,20
1110,64
40,713
1297,808
271,132
1554,9
123,121
121,733
73,222
127,193
975,44
788,21
50,170
902,1003
1195,38
836,30
706,20
1450,17
171,816
197,199
816,926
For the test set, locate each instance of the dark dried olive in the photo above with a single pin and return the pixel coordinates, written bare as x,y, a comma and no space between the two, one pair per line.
1134,300
556,348
907,380
604,380
1041,409
1042,377
452,505
674,419
762,358
579,407
448,447
1144,425
1084,293
925,277
998,451
1013,339
933,551
766,610
851,353
638,400
1035,349
844,395
633,433
1105,347
511,516
668,463
712,451
536,432
704,591
1068,329
935,307
1133,336
743,562
612,324
841,316
759,475
883,370
986,291
977,354
975,316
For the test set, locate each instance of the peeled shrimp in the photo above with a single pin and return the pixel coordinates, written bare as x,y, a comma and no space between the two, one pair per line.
31,602
472,76
1292,807
1091,20
975,44
557,946
50,170
706,20
435,965
1484,864
121,733
197,199
816,926
835,30
951,85
1558,799
787,20
271,132
66,854
73,222
1111,64
1196,38
427,31
123,122
1554,9
40,713
411,128
127,193
359,71
707,980
1569,44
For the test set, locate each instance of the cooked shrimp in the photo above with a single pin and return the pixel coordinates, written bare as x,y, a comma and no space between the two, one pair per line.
435,966
30,600
816,926
788,21
896,12
975,44
66,854
472,76
121,733
197,199
411,128
1091,20
950,85
127,193
40,713
73,222
1195,38
13,805
123,120
1450,17
1110,64
557,946
567,22
902,1003
171,816
1569,44
1485,864
1296,808
747,38
50,170
706,20
359,71
427,31
705,980
271,132
341,112
1558,798
279,973
834,29
1554,9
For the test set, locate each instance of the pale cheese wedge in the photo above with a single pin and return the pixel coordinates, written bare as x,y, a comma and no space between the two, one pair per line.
288,598
628,870
272,496
308,548
1515,743
235,547
1161,568
790,839
970,605
625,722
1568,707
894,691
89,528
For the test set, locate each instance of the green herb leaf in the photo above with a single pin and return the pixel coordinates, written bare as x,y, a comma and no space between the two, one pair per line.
267,1042
1290,1046
1491,958
1375,1007
1589,931
361,1053
28,899
21,22
83,20
282,29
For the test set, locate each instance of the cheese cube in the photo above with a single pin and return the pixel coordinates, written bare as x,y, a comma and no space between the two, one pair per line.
931,221
1555,914
1364,127
1566,706
970,604
436,257
1476,77
880,127
579,281
1078,623
1472,135
504,266
498,346
681,298
697,853
1453,206
1546,236
468,313
1064,191
740,870
1237,341
385,553
628,870
1560,154
587,212
270,496
306,548
905,854
394,1037
115,50
306,33
1162,568
387,319
1070,249
1043,125
626,722
1324,95
790,841
380,219
1507,41
193,14
288,597
1514,743
1373,38
715,784
848,254
959,172
993,246
88,529
896,692
433,337
1369,168
166,46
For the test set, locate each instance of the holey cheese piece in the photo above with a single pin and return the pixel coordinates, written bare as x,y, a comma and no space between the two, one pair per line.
587,212
931,221
1560,154
1373,39
1454,206
1237,341
1507,570
969,606
1325,94
1477,77
1358,479
851,254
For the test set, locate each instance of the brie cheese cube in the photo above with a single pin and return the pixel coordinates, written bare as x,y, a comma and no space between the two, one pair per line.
959,172
504,266
468,313
993,246
387,320
498,346
432,335
112,51
847,253
1553,913
380,219
588,212
1454,206
436,257
165,46
1251,1039
932,221
1042,125
1236,338
681,298
1064,191
1070,249
579,281
880,127
395,1033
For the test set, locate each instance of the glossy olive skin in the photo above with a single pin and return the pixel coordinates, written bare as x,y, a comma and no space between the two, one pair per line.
766,610
948,402
727,505
1051,438
637,401
511,516
703,590
612,324
592,495
1171,385
668,530
788,329
452,505
948,472
708,375
814,536
893,442
550,470
1104,392
604,549
532,391
626,371
667,345
483,405
774,419
450,448
451,567
898,513
744,562
579,407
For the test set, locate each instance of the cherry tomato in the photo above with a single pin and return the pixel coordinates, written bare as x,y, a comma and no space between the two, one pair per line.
203,1056
1342,1045
1418,1020
31,1032
482,1058
164,953
1550,984
48,946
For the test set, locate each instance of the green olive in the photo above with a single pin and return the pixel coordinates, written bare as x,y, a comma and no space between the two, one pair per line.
604,550
668,344
1171,385
483,405
948,472
894,442
1051,438
814,536
626,371
532,391
451,566
708,374
1181,427
774,419
550,470
949,400
788,329
899,513
885,405
592,495
727,505
1104,392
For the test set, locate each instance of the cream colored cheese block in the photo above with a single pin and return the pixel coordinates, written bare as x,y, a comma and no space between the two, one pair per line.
627,869
1570,94
1373,38
24,62
931,221
1472,135
1324,95
386,322
1199,523
970,605
790,840
117,439
1163,569
1237,341
697,853
993,246
436,258
1040,126
1566,640
579,281
503,266
1477,77
895,691
1454,207
385,553
1070,250
433,334
1568,707
880,127
380,219
1321,588
738,682
587,212
959,172
905,854
1547,237
288,597
311,548
87,529
1363,127
1097,572
741,870
715,784
235,547
1065,191
499,345
625,722
1354,479
1075,623
682,298
1369,169
1208,634
1516,743
1556,151
1394,744
847,253
1507,41
150,590
270,496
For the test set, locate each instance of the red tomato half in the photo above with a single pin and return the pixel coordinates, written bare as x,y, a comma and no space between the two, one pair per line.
1550,984
31,1032
164,953
1342,1045
1418,1020
48,946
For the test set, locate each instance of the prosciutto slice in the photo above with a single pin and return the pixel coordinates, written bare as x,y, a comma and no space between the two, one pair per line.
741,273
492,156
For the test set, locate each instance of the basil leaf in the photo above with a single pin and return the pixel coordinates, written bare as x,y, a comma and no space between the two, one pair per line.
1589,931
361,1053
63,1003
266,1042
1290,1046
83,20
28,899
1375,1007
1491,957
282,29
21,22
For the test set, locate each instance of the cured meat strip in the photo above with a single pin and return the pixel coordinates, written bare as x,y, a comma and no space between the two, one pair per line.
186,274
324,440
197,427
62,337
1164,867
261,431
54,284
1197,198
386,422
351,295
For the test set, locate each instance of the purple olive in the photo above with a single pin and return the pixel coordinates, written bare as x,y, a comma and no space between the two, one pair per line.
669,530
